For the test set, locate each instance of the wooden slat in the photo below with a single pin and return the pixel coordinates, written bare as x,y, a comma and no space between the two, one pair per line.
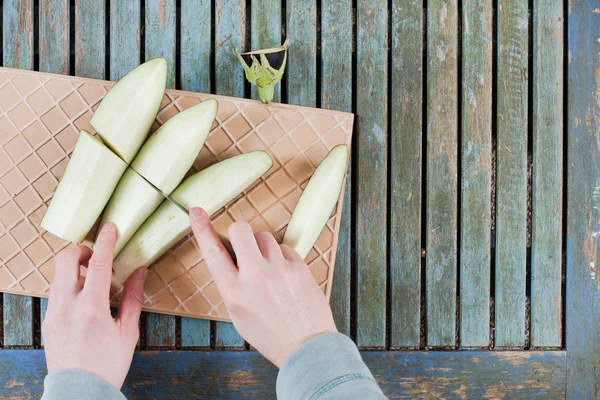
160,42
336,94
17,47
301,73
124,37
371,132
266,32
511,186
192,375
546,239
476,173
195,50
54,55
442,138
90,39
406,179
229,81
583,194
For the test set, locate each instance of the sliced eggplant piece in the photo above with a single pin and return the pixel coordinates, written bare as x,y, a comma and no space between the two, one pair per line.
88,182
317,202
132,202
210,189
125,115
169,153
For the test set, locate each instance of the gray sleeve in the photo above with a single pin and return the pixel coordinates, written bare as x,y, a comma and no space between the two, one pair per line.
77,384
328,366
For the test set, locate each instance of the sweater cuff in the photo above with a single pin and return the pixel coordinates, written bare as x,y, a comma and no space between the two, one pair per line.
324,367
78,384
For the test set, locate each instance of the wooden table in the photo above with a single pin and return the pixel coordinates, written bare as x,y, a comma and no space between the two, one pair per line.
469,249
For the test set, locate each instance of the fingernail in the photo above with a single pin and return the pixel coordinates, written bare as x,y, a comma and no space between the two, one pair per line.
145,274
195,213
108,227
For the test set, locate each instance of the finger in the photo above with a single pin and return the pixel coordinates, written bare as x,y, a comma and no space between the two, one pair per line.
66,275
100,264
217,258
290,254
243,242
132,300
268,246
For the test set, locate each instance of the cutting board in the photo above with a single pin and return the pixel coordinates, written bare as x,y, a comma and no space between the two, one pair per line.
40,117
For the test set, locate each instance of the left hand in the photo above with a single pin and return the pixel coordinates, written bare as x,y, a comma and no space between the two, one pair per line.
79,331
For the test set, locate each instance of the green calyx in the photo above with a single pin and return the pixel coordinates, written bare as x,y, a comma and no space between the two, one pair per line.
264,69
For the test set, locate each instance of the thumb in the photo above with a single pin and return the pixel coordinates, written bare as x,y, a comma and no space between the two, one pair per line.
132,300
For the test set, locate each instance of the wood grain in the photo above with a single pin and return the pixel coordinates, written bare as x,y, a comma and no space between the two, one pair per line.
266,32
160,42
583,207
301,72
406,180
17,49
546,239
241,375
90,48
371,133
230,31
511,186
476,177
442,143
124,37
54,56
336,94
195,48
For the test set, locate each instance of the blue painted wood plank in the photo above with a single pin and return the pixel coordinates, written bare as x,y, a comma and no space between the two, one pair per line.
546,235
476,180
195,50
54,56
90,46
406,155
442,144
583,207
17,48
511,184
241,375
124,37
371,133
336,94
301,75
266,32
229,81
159,28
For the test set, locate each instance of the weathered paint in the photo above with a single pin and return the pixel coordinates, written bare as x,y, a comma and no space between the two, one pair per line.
583,207
371,137
186,375
302,55
476,177
124,38
546,235
442,165
406,155
195,45
17,48
160,42
336,94
511,186
90,47
266,32
229,81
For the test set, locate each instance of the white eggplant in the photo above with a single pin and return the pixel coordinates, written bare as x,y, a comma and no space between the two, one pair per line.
88,182
125,115
317,202
211,189
169,153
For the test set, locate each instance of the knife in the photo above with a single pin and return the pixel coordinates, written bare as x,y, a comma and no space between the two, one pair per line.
224,239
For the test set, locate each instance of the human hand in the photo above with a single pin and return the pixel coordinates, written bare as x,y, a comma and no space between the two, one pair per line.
273,299
79,331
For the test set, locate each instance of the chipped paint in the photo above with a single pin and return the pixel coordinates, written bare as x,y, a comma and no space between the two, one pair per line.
12,384
162,13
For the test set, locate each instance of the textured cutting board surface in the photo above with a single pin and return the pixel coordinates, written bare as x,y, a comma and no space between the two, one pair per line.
40,117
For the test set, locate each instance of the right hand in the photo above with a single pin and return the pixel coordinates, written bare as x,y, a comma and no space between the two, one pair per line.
272,298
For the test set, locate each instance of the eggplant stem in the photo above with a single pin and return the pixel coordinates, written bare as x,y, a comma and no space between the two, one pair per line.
266,93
